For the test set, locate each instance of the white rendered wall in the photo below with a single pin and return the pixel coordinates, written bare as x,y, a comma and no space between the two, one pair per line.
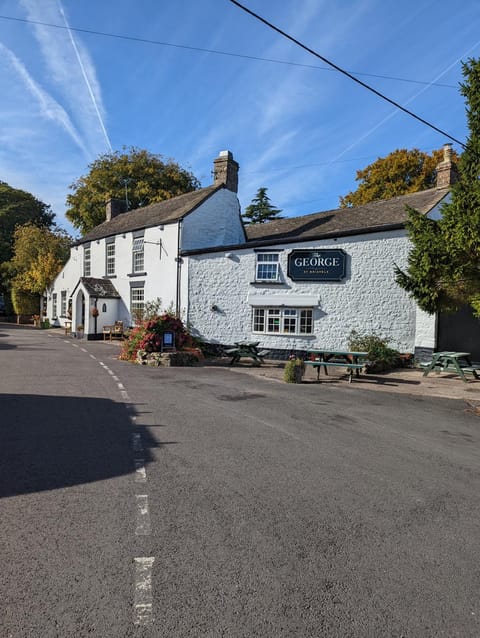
368,300
215,223
160,268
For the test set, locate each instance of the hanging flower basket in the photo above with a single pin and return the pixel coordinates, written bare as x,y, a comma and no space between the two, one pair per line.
94,311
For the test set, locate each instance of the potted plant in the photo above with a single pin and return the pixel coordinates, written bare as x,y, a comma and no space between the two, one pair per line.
80,331
294,370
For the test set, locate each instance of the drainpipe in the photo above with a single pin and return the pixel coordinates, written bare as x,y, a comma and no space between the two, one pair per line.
179,261
95,318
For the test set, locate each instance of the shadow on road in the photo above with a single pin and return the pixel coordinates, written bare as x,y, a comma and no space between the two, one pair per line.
50,442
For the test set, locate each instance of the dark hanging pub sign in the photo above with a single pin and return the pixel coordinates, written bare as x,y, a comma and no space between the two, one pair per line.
317,265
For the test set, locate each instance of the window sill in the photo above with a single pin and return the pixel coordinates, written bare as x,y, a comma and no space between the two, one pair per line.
109,277
136,274
266,282
308,335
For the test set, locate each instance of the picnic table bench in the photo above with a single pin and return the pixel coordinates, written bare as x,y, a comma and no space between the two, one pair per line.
247,349
457,362
113,332
351,360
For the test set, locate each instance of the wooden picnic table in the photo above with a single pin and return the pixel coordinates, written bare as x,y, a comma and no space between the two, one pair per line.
350,359
248,349
456,362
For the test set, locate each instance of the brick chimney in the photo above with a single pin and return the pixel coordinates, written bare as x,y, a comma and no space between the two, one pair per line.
447,173
225,171
114,207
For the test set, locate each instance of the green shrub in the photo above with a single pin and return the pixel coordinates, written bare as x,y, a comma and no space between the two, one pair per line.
380,356
25,303
293,371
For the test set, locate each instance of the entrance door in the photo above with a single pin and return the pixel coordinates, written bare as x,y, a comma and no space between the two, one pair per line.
459,332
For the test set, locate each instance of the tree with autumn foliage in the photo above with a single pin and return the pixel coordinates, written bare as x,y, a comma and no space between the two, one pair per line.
402,171
443,270
38,257
134,174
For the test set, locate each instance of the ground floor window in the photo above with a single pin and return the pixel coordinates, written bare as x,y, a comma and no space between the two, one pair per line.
137,300
54,305
63,303
283,320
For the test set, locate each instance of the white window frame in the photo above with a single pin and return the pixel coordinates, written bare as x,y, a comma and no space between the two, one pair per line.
267,266
138,255
63,303
278,320
136,303
87,261
110,259
54,305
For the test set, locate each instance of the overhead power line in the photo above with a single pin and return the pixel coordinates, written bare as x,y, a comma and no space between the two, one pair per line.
255,58
349,75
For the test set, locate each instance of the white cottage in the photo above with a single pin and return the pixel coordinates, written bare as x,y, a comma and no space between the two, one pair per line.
307,282
134,256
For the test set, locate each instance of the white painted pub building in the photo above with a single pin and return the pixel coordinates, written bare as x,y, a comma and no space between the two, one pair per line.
291,284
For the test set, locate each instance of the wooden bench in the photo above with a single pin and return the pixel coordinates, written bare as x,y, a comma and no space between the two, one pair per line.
335,364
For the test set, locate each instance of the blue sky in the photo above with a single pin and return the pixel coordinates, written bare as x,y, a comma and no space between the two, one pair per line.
302,132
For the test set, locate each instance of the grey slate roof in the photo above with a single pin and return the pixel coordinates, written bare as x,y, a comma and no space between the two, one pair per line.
170,210
375,216
102,288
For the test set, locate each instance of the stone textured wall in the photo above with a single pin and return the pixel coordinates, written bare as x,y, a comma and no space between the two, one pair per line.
367,300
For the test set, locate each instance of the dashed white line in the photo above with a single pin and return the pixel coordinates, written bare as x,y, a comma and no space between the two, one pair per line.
66,341
140,472
120,386
143,527
137,442
124,394
143,607
75,345
83,350
92,356
114,377
111,372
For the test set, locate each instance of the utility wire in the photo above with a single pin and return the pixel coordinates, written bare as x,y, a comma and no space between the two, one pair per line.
218,52
349,75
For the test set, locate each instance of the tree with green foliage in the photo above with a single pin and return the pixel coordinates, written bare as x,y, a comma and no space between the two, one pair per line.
134,174
443,270
38,256
17,207
261,210
399,173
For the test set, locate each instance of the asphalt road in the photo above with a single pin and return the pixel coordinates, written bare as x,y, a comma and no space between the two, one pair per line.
142,501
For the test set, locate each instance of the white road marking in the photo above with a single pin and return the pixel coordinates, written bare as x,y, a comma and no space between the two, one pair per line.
83,350
143,516
66,341
124,394
102,364
75,345
140,472
137,442
120,386
143,607
93,356
114,377
111,372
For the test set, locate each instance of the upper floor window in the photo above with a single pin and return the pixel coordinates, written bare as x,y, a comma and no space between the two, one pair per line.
283,320
87,270
110,259
137,254
267,268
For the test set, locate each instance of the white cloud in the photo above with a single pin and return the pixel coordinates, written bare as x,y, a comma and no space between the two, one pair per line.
72,71
49,108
